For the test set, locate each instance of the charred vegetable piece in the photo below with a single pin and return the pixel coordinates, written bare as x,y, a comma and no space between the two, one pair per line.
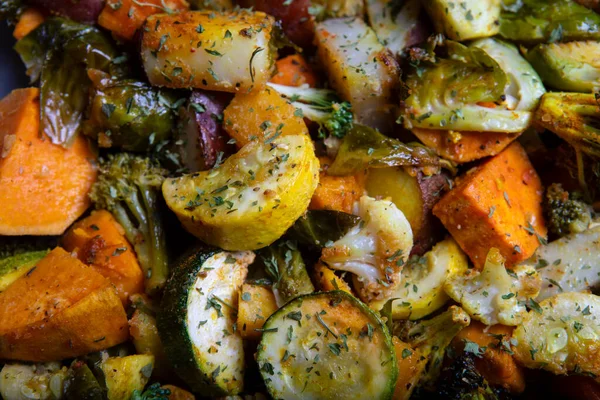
486,87
574,117
535,21
465,20
229,52
360,69
130,115
60,51
398,24
319,227
82,384
197,320
572,66
310,345
203,138
250,200
129,187
11,10
561,334
364,147
285,266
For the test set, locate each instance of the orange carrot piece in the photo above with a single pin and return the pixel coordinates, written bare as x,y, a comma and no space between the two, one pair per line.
28,21
463,147
410,365
124,17
336,192
497,204
99,241
60,309
43,187
294,71
496,365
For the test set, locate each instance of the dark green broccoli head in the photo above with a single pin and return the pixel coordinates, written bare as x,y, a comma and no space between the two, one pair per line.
460,380
152,392
566,212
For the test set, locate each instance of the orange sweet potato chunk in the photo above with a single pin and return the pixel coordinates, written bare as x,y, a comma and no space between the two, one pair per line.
99,241
43,187
497,204
293,70
124,17
60,309
28,21
336,192
464,146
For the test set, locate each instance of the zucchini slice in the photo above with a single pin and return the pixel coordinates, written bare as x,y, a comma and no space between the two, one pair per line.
12,268
327,346
197,320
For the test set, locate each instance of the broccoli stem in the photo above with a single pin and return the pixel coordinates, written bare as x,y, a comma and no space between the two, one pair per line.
158,272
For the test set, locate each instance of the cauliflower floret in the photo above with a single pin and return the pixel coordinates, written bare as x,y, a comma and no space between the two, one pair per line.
493,295
569,264
561,335
375,250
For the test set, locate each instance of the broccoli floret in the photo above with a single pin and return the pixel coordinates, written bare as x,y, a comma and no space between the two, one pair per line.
432,337
321,106
460,380
129,186
566,212
152,392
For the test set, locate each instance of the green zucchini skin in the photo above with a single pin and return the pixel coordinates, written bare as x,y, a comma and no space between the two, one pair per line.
357,328
173,327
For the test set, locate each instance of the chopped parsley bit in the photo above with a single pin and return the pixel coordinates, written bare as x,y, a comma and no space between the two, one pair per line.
508,296
335,348
474,348
406,353
246,296
325,325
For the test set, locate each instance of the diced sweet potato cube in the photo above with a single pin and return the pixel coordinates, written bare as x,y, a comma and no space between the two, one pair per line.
99,241
43,187
256,304
60,309
326,279
336,193
28,21
124,17
497,204
294,71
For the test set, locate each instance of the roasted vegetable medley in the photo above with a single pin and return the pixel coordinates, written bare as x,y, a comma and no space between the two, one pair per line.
301,199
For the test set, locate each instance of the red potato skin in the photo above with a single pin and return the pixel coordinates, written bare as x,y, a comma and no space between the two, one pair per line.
296,21
432,230
202,132
85,11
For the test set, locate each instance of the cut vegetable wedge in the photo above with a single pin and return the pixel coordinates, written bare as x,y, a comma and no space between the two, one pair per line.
327,346
252,198
197,321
